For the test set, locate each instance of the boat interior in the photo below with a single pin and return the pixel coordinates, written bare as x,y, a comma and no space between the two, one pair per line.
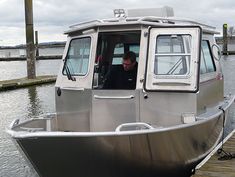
110,49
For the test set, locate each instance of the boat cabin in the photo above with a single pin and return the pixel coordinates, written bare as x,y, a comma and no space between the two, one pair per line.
177,78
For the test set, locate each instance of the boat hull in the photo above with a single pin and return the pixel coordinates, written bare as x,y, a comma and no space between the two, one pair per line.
164,153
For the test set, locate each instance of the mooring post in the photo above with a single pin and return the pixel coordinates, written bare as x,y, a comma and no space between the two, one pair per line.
36,44
30,52
225,39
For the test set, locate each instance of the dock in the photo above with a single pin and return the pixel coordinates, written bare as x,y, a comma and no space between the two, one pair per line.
225,167
25,82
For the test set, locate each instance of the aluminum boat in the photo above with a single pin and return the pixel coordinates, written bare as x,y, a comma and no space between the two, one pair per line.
164,127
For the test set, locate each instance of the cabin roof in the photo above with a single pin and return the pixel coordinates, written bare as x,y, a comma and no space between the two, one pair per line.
147,20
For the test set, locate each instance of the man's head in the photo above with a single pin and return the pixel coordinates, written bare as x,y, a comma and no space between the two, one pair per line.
129,61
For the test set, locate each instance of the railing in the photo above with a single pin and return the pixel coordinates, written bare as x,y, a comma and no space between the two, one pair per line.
133,126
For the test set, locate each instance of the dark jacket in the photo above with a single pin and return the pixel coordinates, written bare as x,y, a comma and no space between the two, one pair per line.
118,78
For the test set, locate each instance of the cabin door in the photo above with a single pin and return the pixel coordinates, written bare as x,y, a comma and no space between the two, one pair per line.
173,59
111,108
113,104
172,74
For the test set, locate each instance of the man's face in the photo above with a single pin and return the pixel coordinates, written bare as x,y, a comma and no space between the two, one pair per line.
128,65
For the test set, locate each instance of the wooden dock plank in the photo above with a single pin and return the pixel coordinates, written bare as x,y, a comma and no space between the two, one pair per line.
24,82
219,168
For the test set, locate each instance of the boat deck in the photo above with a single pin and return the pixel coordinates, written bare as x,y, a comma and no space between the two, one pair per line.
212,167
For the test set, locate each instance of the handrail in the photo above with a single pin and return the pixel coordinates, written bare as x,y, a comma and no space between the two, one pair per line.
219,52
29,129
85,23
135,124
73,88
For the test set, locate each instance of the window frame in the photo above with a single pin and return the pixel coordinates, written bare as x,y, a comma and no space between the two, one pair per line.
67,53
174,83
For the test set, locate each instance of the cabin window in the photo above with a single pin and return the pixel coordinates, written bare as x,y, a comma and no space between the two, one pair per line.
172,55
207,64
77,58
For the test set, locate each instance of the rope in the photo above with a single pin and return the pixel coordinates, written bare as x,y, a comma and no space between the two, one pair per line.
225,155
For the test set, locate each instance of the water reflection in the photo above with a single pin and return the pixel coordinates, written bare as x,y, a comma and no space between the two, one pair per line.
24,104
228,65
34,106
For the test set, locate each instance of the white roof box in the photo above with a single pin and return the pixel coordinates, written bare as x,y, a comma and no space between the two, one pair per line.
165,11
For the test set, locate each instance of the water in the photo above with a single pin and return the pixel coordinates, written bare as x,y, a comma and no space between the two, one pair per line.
18,69
228,65
35,101
22,103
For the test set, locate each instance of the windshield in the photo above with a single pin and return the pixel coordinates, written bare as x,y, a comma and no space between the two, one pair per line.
77,59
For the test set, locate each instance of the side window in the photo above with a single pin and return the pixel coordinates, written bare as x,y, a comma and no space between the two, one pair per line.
119,50
77,59
207,64
135,48
172,55
202,64
117,55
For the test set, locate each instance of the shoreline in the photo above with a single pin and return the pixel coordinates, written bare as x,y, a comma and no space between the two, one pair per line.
51,57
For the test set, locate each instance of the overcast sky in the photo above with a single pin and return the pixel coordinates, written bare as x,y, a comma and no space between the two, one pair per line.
53,17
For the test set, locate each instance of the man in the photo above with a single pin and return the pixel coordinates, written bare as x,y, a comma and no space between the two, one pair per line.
123,76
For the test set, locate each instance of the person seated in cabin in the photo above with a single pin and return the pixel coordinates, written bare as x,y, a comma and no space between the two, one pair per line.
123,76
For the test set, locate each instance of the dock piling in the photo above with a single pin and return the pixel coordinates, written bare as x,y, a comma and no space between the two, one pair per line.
30,52
225,39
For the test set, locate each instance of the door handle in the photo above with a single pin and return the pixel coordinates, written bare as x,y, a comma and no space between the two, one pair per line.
73,88
114,97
